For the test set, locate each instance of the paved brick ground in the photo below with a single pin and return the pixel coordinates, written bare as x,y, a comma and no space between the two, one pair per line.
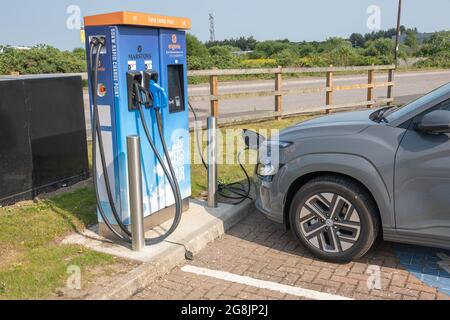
263,250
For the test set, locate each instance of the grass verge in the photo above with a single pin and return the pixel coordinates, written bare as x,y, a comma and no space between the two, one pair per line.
32,263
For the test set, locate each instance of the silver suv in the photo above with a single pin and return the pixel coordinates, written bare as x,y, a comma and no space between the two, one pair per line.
346,178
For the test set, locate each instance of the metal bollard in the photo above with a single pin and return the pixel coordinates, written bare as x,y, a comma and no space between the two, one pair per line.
135,196
212,162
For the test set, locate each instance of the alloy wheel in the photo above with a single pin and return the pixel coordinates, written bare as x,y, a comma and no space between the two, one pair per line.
330,222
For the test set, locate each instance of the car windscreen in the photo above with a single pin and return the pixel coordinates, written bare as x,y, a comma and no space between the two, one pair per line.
410,107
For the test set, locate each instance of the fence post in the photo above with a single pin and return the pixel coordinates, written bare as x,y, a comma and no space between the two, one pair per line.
279,94
329,92
214,90
391,86
371,86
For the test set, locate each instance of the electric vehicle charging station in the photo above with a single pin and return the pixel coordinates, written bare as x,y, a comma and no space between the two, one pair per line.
138,87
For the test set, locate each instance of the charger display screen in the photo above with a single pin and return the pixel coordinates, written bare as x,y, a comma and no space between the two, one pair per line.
176,88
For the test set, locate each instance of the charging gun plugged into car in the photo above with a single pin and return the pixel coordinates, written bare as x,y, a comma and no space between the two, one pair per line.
139,106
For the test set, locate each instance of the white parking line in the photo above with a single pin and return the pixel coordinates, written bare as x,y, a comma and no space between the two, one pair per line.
295,291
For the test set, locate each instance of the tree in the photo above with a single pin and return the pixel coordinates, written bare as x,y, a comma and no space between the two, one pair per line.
268,49
335,42
223,51
195,48
411,39
223,58
242,43
342,56
286,57
357,40
305,49
382,49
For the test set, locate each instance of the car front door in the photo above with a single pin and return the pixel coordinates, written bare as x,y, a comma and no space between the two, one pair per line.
422,182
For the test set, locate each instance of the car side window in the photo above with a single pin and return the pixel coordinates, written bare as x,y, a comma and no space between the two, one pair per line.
441,106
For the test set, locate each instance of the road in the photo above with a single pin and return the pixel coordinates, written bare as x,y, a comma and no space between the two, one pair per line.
408,86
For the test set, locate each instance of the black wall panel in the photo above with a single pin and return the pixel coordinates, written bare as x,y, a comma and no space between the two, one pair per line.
46,127
16,161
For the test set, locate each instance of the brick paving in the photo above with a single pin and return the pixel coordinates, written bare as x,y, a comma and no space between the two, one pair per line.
263,250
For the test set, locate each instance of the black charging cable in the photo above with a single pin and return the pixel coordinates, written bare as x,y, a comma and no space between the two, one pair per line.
148,101
168,172
232,191
97,45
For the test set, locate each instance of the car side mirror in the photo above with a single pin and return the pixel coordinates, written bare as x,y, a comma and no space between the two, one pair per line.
435,122
252,139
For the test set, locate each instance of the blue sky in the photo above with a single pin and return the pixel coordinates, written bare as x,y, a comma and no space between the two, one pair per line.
25,22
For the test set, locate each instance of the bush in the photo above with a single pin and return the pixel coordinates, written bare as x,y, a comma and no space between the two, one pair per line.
439,42
197,63
439,60
341,56
268,49
286,57
312,61
380,48
42,59
259,63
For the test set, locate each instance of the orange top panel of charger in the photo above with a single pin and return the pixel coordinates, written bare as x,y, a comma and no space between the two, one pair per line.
137,19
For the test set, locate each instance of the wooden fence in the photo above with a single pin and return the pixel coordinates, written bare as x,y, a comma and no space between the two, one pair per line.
215,97
329,89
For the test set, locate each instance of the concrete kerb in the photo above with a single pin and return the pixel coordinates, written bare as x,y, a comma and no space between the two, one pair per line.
172,256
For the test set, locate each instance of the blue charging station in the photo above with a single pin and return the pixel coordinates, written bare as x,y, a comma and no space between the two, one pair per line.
148,53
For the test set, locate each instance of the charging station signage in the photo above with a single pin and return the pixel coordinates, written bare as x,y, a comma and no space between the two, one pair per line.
174,49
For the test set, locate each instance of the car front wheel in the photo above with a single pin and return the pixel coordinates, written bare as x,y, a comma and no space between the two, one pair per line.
335,218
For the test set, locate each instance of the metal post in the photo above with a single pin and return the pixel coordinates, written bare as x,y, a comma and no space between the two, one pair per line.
397,36
212,162
135,189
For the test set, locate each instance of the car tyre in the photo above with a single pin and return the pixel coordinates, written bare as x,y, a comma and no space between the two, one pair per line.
334,218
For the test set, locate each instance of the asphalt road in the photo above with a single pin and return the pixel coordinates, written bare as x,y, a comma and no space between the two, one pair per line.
408,86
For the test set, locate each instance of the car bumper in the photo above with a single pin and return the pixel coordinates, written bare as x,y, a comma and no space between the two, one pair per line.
268,201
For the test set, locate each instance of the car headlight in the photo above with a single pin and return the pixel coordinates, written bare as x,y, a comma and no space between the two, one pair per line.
279,144
265,170
269,157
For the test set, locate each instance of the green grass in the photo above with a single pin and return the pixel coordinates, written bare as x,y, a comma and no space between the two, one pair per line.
36,224
33,264
43,269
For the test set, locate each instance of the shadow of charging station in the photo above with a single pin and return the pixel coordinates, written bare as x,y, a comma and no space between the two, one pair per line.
431,266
